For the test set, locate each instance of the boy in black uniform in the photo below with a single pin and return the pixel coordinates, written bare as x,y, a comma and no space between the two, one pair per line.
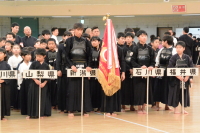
2,42
43,44
179,60
46,34
111,104
8,48
51,60
154,44
127,84
33,94
161,88
61,65
65,36
143,57
5,86
79,55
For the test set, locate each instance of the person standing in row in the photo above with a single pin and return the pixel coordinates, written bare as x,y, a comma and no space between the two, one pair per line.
179,60
143,57
5,86
95,86
15,30
14,61
79,56
51,61
23,84
161,88
35,85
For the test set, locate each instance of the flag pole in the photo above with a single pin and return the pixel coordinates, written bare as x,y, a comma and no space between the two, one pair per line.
39,98
198,59
182,96
0,101
82,96
147,93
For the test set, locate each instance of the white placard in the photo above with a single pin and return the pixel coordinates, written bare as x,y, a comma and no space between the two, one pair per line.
42,74
8,74
182,71
82,73
145,72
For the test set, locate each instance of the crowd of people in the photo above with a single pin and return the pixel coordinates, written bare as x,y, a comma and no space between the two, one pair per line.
80,48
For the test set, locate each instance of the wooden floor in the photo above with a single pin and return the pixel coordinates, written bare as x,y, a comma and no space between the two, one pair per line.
128,122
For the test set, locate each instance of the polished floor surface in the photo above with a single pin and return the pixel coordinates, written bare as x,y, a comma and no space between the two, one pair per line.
126,122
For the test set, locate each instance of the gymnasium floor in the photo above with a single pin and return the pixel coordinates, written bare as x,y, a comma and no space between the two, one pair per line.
128,122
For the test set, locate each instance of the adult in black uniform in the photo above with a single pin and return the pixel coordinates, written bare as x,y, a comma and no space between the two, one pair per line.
79,55
188,42
15,29
196,50
28,40
143,57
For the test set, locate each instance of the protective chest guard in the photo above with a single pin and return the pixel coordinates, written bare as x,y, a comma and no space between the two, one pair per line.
78,53
95,55
165,56
128,56
143,57
181,63
52,56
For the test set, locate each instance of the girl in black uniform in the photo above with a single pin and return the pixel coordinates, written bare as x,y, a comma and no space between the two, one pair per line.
95,86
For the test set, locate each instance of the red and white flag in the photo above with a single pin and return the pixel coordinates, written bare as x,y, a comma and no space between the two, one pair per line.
109,69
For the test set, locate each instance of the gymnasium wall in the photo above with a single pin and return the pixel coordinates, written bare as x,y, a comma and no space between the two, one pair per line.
94,7
148,23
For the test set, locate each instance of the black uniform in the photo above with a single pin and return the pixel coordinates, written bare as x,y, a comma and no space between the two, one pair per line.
61,65
196,51
161,88
18,39
33,94
127,91
51,60
5,92
33,56
153,80
112,103
95,86
175,91
8,54
142,55
189,44
79,54
24,89
29,41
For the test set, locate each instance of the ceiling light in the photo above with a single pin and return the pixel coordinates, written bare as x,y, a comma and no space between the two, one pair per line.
61,16
124,16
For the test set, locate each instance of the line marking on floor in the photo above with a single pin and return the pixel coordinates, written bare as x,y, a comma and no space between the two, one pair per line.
135,123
